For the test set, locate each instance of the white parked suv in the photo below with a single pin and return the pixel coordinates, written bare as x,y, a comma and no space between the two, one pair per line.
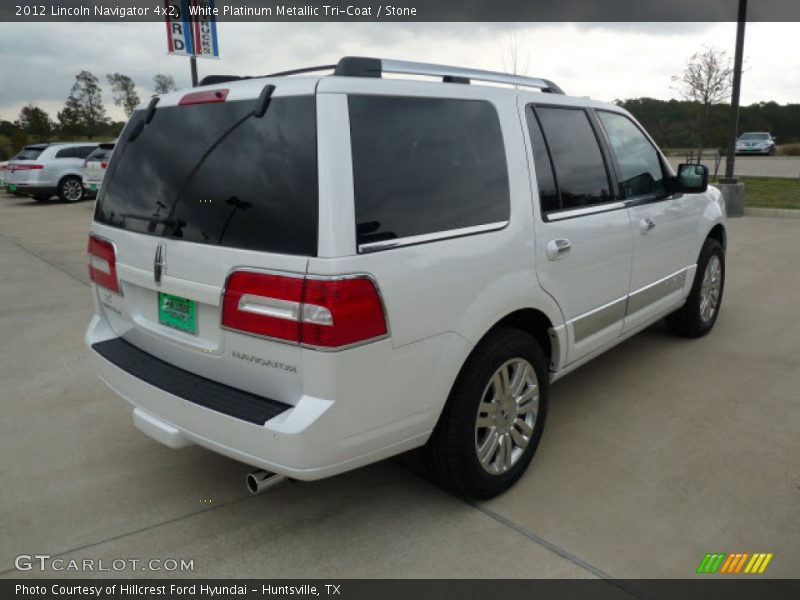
45,170
309,274
94,168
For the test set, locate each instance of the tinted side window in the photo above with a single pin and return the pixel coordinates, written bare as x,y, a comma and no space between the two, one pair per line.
424,165
545,178
66,153
640,167
83,151
579,165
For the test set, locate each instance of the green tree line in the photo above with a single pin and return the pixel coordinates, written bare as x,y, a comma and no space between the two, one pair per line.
83,115
677,123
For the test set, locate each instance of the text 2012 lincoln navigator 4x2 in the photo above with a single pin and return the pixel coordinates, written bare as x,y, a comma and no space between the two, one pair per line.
311,273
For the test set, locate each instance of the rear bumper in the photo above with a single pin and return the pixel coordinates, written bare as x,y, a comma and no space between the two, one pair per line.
29,189
305,441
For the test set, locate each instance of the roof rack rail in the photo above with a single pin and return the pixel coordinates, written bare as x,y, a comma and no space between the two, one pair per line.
215,79
301,71
359,66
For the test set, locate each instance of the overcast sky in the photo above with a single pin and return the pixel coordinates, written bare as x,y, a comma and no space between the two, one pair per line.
38,61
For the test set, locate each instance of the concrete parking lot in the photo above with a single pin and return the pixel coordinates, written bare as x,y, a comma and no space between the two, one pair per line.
659,451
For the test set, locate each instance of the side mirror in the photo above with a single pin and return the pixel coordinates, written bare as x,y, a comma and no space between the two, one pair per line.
692,179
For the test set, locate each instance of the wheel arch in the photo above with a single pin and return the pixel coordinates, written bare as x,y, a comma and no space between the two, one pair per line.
537,324
719,233
63,176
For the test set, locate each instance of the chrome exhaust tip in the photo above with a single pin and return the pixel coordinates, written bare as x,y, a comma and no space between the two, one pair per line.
261,481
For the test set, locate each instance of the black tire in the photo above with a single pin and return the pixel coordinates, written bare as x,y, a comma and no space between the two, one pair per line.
452,449
688,321
771,151
67,189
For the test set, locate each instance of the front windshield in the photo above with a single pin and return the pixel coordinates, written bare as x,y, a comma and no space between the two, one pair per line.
754,136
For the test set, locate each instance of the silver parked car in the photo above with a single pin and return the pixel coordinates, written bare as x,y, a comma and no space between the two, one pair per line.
44,170
756,143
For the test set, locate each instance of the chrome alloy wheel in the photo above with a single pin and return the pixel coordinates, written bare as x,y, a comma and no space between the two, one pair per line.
506,416
72,190
710,289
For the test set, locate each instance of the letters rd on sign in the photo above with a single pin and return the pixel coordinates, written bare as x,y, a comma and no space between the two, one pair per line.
191,28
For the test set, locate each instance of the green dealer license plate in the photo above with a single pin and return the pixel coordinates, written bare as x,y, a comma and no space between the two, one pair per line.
12,187
177,312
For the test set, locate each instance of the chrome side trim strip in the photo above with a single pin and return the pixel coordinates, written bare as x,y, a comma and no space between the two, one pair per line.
598,319
654,292
588,210
430,237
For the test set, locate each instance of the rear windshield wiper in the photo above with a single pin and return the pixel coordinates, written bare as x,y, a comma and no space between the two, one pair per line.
139,127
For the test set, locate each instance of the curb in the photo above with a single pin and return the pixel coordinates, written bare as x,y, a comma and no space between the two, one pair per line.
779,213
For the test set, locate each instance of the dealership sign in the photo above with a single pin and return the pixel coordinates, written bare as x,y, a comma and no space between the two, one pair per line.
191,28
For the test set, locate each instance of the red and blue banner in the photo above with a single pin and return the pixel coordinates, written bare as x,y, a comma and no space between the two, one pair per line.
191,28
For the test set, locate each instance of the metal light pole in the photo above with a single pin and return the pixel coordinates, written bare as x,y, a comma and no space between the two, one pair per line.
737,84
193,65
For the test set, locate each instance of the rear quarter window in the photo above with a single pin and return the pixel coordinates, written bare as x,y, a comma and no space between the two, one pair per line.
425,165
29,154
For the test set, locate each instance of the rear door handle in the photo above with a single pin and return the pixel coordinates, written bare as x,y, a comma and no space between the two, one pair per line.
558,249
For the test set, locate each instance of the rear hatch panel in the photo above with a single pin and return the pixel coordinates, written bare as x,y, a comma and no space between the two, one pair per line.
216,189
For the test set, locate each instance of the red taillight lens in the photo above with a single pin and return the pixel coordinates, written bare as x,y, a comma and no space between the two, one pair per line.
103,165
28,167
263,304
103,263
340,312
327,313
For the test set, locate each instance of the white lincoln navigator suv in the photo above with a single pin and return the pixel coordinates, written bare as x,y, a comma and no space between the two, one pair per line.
310,273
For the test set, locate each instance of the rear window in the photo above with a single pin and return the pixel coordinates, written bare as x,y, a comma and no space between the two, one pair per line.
215,174
102,152
28,154
425,165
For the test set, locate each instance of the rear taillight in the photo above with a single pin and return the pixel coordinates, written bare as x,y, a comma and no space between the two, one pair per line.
204,97
103,263
28,167
103,165
340,312
315,312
